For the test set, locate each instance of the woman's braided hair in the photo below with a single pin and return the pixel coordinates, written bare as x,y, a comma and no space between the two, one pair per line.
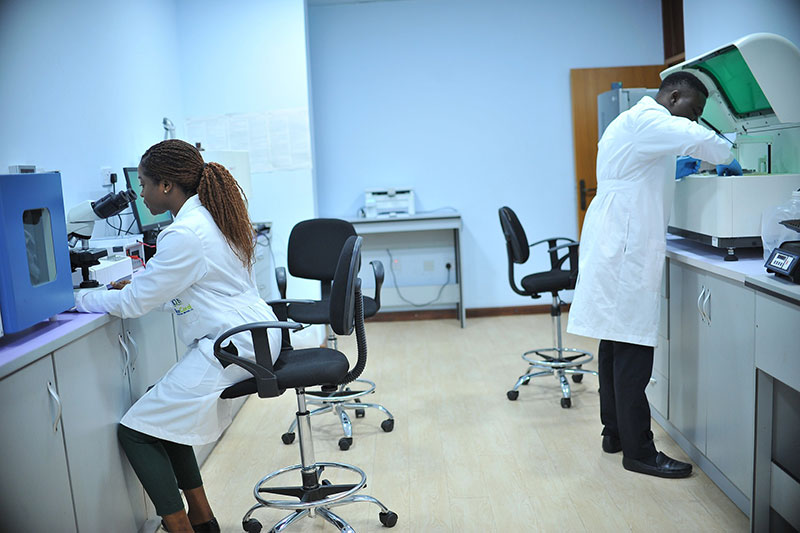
181,163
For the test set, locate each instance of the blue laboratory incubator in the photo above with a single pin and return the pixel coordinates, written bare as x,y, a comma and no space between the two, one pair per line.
35,274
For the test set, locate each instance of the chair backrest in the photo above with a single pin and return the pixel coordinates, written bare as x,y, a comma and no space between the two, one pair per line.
516,241
314,247
345,284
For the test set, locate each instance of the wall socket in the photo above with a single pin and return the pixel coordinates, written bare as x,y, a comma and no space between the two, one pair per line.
105,176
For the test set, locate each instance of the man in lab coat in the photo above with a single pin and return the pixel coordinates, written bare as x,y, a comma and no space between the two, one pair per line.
623,245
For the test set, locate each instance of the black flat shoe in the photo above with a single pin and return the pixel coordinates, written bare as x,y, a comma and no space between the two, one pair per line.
664,467
212,526
611,444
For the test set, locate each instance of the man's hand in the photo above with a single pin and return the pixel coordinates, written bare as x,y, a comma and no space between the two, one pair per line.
731,169
686,165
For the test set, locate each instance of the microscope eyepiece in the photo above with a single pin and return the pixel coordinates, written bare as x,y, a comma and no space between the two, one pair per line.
113,204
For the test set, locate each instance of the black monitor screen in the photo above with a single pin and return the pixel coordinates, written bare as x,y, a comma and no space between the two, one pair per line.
146,220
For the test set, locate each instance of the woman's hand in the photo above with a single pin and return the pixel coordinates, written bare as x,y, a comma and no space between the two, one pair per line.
119,284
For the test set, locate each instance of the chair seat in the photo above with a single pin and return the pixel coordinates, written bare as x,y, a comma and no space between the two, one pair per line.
551,281
299,369
310,367
317,312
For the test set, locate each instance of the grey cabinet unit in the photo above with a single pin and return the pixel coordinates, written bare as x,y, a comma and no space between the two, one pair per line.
658,389
687,364
34,473
712,387
776,490
93,383
151,342
730,346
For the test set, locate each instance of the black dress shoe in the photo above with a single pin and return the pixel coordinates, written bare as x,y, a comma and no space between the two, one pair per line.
611,444
664,467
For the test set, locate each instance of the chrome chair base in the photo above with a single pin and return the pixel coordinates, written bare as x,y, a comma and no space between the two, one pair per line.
557,365
336,402
557,361
316,496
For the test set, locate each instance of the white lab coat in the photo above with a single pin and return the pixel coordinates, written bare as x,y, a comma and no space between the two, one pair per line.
623,242
196,275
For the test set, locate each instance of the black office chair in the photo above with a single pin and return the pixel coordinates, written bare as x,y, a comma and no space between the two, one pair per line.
556,360
313,252
299,369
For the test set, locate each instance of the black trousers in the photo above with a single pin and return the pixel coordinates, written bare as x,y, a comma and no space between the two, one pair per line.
164,468
624,372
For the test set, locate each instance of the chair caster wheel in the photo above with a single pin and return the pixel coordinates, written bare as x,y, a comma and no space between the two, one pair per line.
566,403
287,438
388,519
252,526
345,443
526,381
512,395
577,378
360,413
387,425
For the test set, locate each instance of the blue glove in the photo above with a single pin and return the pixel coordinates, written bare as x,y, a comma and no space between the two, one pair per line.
731,169
686,165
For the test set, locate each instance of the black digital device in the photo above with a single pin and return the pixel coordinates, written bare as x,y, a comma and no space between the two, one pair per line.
784,261
148,222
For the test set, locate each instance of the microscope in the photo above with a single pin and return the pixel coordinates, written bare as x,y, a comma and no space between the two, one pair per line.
80,224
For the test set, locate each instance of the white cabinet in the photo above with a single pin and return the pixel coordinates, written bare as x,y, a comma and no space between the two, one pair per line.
712,368
92,374
34,482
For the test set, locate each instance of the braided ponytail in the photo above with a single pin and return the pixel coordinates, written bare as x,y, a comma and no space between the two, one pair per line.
181,163
224,198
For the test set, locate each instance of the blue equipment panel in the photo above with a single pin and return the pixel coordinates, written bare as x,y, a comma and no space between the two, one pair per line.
35,273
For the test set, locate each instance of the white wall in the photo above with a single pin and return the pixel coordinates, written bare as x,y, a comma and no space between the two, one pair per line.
709,24
85,85
468,102
250,57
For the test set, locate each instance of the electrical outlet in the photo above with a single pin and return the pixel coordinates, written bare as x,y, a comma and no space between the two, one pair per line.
105,176
427,265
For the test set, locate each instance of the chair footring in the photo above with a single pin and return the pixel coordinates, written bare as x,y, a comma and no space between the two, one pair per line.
560,361
316,508
306,495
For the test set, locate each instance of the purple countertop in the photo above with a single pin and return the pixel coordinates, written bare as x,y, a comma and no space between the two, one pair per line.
20,349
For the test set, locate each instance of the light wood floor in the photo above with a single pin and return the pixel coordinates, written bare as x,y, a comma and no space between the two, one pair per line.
462,457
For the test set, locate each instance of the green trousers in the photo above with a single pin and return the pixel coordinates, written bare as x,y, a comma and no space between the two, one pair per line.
163,467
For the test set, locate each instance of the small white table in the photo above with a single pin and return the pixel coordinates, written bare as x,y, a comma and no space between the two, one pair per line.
373,228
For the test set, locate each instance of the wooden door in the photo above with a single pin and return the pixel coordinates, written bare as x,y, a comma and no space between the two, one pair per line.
586,84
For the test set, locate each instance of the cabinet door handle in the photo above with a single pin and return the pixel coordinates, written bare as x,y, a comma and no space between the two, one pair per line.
55,397
129,335
699,300
127,353
707,306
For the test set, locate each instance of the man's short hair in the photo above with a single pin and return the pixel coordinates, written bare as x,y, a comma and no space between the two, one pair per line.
683,79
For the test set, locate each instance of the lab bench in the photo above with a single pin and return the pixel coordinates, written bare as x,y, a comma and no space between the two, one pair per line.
64,386
728,330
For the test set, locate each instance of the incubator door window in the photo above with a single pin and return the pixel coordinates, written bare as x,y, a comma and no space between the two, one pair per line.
39,245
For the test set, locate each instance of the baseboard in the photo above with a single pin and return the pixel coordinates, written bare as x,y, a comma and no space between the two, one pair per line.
478,312
475,312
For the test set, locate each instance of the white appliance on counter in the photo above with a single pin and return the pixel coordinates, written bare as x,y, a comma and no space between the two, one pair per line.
752,85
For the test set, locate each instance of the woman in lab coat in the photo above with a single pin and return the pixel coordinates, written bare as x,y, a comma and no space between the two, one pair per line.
623,244
202,273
